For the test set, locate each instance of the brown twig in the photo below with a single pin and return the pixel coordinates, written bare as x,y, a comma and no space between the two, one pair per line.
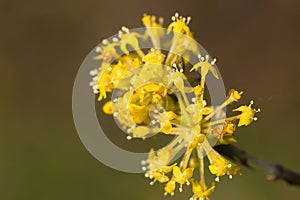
272,171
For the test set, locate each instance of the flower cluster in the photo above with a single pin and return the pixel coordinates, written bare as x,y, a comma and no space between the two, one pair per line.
153,96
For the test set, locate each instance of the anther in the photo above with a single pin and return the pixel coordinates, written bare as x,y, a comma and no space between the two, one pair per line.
188,20
115,39
105,42
98,49
129,137
161,20
125,29
94,72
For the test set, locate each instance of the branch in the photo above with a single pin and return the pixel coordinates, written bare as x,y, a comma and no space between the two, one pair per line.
272,171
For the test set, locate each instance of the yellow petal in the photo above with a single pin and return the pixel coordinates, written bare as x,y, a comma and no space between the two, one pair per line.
167,128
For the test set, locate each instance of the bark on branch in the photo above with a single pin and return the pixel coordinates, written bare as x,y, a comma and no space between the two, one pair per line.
273,172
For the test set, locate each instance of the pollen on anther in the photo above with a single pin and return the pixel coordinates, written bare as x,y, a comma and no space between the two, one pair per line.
129,137
115,39
105,42
98,49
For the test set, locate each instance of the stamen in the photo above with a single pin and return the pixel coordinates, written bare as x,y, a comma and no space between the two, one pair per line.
213,61
98,49
105,42
180,188
188,20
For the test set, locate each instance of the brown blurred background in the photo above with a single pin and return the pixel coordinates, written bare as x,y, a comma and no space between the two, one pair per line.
42,44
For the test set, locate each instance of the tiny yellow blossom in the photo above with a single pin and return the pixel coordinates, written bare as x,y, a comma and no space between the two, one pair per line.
154,57
201,192
182,177
247,115
139,113
170,187
220,166
107,51
206,66
233,95
180,25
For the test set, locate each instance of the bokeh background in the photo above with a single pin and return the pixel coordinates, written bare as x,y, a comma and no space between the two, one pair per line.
42,44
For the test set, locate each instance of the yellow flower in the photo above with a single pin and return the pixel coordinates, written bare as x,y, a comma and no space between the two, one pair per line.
233,95
220,166
180,24
182,177
154,57
153,29
129,38
247,115
229,128
107,51
164,119
170,187
206,66
201,191
139,113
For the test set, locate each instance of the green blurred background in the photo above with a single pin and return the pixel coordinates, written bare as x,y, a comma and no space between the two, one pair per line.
43,44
